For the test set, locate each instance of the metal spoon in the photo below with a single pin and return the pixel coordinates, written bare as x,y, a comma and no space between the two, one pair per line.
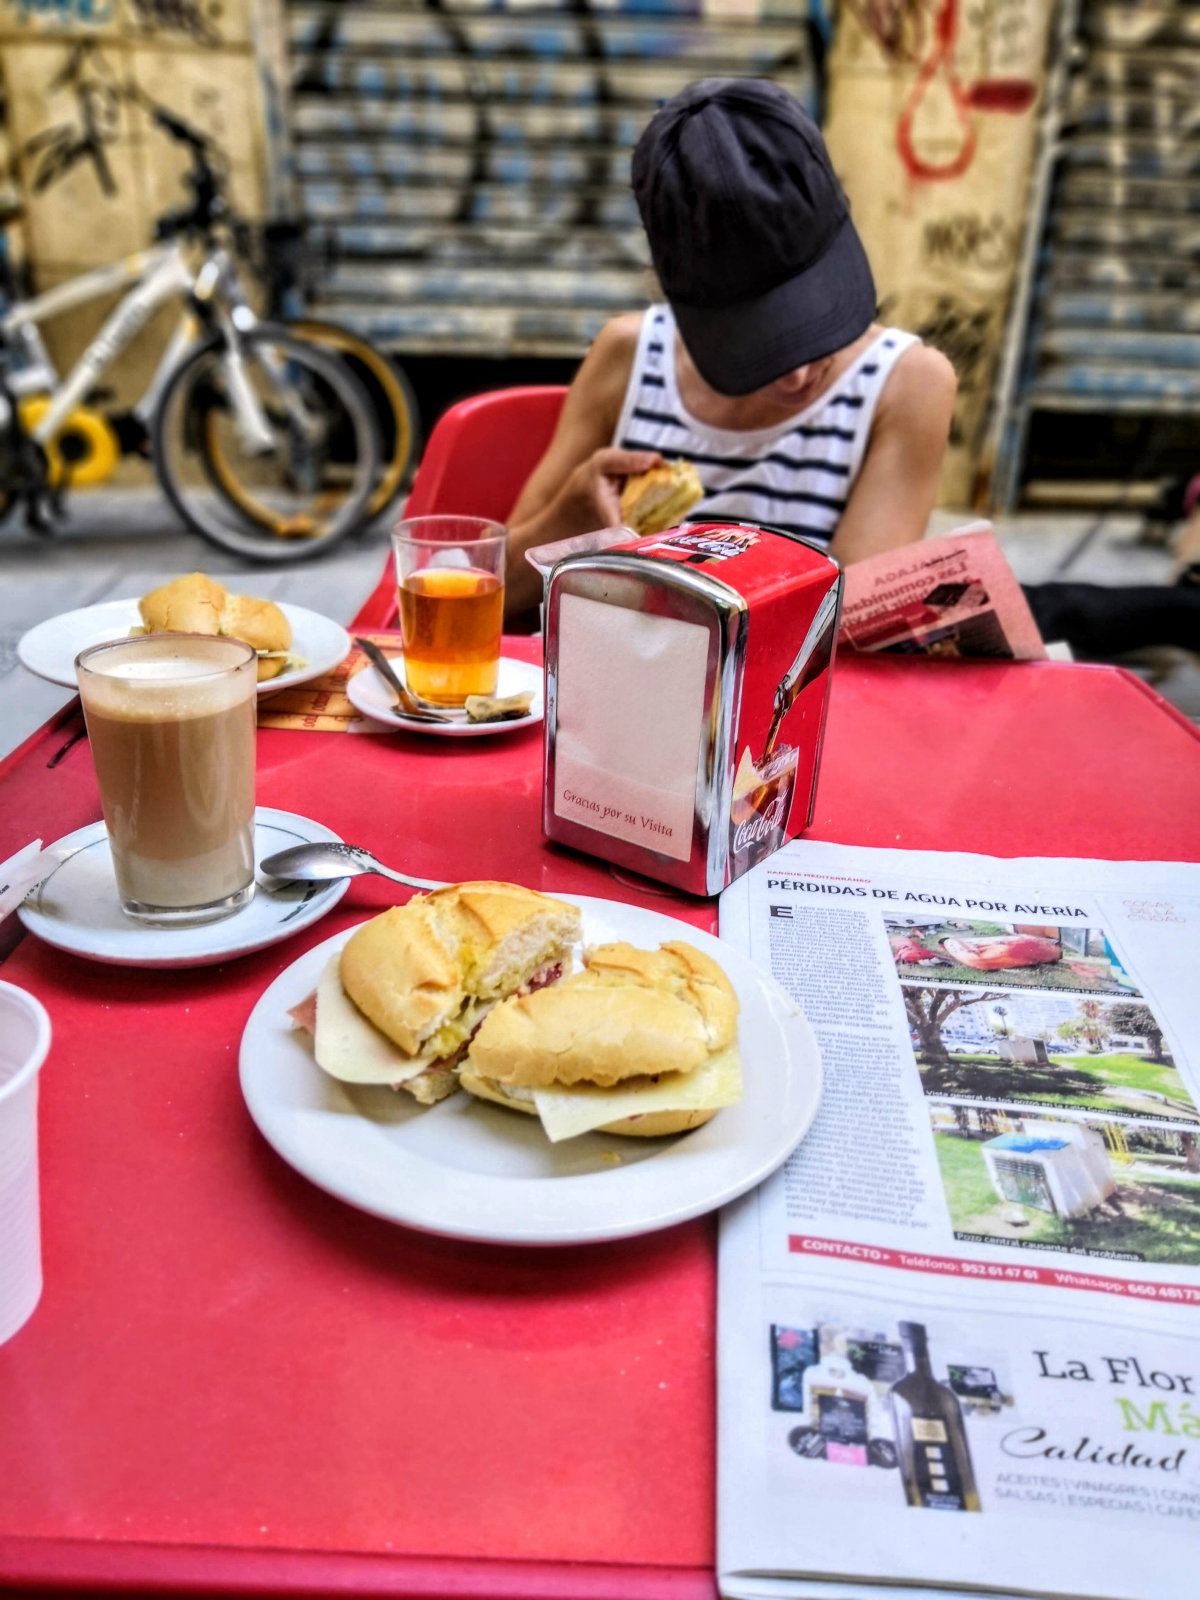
315,863
418,710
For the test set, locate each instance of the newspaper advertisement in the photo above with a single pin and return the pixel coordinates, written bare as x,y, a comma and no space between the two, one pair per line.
959,1329
949,597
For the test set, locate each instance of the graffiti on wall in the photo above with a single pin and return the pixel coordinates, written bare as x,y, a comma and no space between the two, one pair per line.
936,169
187,18
90,126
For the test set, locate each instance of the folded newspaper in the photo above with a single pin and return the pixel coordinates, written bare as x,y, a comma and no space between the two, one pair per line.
959,1330
953,596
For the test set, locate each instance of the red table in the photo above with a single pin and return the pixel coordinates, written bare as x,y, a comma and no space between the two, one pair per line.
234,1383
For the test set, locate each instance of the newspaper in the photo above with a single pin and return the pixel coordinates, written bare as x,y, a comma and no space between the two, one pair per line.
953,596
959,1330
321,705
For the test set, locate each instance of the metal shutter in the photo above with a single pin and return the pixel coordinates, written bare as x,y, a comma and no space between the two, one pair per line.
473,161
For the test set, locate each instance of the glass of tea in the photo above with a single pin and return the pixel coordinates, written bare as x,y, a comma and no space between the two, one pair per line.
450,574
171,722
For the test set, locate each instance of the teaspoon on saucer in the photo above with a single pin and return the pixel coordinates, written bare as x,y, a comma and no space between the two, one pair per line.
314,863
410,704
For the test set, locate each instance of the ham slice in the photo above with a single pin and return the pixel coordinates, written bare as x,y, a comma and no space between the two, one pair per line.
1000,951
305,1014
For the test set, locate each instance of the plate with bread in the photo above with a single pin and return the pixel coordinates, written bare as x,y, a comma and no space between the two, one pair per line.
488,1062
293,644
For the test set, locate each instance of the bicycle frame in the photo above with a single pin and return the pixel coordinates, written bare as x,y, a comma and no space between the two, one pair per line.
157,275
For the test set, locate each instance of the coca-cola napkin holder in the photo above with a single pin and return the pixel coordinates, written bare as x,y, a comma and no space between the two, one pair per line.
687,678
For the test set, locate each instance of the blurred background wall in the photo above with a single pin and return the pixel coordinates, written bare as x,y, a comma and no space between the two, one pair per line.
1025,173
933,117
472,161
90,173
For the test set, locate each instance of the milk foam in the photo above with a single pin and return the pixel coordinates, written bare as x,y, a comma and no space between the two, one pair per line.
158,679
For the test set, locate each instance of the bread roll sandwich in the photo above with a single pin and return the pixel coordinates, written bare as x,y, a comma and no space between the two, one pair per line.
642,1042
196,604
399,1004
660,498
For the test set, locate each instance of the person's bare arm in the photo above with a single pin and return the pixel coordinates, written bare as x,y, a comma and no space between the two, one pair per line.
898,484
576,486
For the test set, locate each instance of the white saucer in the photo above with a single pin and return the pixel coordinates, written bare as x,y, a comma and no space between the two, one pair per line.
77,909
472,1170
49,650
367,691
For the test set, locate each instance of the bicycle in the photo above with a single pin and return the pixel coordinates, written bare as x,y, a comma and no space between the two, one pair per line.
289,264
263,442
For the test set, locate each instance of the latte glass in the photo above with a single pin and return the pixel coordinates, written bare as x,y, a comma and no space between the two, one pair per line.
171,722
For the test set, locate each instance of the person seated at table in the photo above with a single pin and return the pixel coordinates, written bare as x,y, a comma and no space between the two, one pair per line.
765,367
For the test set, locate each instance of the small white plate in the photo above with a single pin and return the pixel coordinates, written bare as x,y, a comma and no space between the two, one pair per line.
77,908
49,650
472,1170
371,695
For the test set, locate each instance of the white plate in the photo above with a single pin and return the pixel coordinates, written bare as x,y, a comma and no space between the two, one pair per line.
370,694
49,650
472,1170
77,908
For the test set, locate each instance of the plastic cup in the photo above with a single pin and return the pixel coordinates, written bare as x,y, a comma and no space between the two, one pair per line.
24,1041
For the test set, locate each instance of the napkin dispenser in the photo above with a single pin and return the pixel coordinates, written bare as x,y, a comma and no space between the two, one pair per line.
687,677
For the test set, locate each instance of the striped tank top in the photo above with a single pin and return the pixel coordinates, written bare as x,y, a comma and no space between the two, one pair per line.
796,475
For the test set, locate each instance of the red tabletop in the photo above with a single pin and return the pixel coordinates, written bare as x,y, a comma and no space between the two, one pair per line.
236,1383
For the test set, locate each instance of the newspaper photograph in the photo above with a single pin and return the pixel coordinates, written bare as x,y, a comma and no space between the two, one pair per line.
975,1286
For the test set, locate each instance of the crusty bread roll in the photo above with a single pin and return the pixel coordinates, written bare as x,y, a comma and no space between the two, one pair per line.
659,499
655,1125
196,604
415,969
263,626
187,605
631,1014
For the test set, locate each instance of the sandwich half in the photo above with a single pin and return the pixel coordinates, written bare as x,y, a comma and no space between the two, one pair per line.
401,1001
659,499
642,1042
197,604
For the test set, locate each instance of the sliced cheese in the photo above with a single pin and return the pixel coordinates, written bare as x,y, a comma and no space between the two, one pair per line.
349,1047
568,1112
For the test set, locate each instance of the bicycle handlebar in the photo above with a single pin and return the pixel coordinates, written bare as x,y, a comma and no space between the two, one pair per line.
205,184
179,130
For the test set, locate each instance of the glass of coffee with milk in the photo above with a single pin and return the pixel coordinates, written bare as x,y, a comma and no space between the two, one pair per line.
171,721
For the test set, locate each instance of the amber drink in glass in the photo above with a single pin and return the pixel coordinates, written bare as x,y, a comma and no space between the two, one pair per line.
450,574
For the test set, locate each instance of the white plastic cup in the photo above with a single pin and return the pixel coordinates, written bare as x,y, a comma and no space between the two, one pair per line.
24,1041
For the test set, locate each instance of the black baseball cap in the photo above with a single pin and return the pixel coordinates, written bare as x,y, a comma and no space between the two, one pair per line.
750,232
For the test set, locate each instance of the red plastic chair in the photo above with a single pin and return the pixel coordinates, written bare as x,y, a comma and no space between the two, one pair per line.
475,464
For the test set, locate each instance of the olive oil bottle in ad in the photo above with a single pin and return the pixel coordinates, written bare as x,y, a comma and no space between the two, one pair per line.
931,1440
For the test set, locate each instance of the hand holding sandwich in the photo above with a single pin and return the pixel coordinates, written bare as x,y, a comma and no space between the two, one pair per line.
591,496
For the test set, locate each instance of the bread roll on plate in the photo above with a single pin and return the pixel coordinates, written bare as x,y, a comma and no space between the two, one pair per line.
400,1003
641,1043
197,604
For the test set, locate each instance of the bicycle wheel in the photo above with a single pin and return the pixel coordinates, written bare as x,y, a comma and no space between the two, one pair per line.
393,404
276,459
391,395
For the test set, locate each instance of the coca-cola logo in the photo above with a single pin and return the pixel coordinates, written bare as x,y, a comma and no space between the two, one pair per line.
761,826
